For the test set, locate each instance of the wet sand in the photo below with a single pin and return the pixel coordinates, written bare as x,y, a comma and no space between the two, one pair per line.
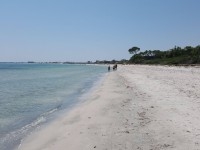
136,107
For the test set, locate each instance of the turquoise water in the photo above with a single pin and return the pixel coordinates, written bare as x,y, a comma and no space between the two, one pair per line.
30,94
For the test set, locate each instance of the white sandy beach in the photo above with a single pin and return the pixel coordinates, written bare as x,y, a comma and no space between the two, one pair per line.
136,107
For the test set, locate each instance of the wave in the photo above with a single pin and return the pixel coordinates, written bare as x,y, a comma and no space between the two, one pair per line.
10,140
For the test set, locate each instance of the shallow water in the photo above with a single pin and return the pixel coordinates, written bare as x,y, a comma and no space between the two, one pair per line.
30,94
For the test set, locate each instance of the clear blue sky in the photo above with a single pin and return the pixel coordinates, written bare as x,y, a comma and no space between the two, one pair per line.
81,30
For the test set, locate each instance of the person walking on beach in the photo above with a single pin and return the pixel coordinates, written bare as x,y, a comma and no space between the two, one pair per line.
115,67
109,68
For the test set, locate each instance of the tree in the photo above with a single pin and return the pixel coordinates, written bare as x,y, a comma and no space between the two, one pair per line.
134,50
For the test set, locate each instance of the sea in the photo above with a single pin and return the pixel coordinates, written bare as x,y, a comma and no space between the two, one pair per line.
33,94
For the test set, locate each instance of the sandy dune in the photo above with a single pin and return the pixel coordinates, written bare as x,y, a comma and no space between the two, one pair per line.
135,108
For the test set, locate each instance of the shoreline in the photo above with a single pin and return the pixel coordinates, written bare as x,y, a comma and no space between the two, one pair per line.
136,107
33,108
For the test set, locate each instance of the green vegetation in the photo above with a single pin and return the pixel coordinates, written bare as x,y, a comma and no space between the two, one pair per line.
174,56
134,50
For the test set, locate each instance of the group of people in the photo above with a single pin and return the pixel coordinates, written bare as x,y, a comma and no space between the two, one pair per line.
114,67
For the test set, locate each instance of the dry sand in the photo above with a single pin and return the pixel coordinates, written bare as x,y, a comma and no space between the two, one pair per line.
136,108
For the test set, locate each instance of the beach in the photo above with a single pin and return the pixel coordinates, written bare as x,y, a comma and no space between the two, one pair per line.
137,107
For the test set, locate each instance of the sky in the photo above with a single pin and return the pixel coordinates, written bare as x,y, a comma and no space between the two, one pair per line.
90,30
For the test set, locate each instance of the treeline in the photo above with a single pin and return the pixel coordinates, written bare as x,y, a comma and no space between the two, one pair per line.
123,61
176,55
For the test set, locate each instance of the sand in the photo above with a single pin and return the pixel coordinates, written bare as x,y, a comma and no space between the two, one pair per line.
137,107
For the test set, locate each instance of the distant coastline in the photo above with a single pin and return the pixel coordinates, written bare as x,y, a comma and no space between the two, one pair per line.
123,61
